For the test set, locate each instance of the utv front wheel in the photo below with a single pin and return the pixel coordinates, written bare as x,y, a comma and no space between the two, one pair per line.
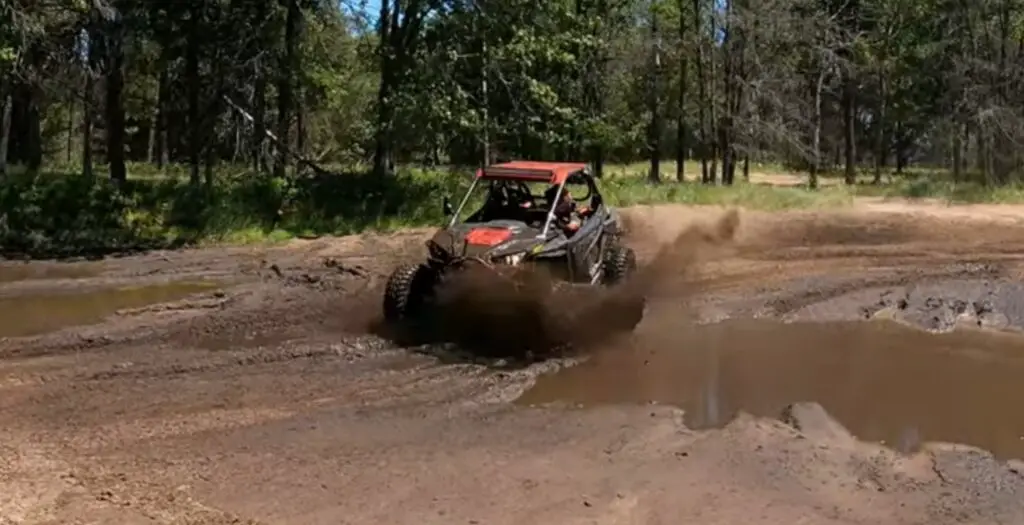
629,304
619,263
406,291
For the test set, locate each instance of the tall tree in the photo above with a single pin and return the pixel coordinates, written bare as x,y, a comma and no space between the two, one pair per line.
684,60
654,96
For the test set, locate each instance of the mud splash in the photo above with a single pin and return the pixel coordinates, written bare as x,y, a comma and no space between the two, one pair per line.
885,382
528,314
22,316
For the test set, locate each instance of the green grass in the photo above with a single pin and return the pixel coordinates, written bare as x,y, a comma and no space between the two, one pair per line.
59,213
932,184
691,170
635,191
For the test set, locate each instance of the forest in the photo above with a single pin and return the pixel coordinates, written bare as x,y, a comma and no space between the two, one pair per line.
131,123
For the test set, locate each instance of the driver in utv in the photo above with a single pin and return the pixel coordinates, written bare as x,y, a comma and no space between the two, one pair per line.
568,216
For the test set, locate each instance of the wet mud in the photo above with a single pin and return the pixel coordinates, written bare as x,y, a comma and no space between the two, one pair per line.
885,382
275,399
22,271
22,316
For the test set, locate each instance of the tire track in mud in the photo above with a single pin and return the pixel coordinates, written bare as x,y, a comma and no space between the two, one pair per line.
347,350
784,303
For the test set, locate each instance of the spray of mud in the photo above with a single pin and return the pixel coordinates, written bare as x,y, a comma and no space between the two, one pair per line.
527,314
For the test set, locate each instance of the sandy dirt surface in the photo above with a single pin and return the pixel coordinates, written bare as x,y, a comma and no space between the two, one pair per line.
270,400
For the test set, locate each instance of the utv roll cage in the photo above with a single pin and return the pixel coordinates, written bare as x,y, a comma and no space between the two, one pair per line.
554,173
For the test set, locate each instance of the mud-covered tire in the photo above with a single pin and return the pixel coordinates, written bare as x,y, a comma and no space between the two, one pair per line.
407,291
619,264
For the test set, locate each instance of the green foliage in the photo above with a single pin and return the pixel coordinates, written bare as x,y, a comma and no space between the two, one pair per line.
931,80
62,214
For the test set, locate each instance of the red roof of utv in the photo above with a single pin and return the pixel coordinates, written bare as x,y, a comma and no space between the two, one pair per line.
534,171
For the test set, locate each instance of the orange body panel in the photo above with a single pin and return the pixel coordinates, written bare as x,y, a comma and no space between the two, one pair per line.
550,172
488,236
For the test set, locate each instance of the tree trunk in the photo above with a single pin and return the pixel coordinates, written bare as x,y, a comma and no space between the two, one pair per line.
70,146
5,129
385,105
702,96
849,130
979,150
880,147
816,134
154,146
301,133
901,149
713,107
88,118
485,96
382,154
114,100
163,108
34,138
966,130
957,154
740,107
725,131
681,132
286,88
211,163
259,110
237,125
654,100
596,82
154,124
192,81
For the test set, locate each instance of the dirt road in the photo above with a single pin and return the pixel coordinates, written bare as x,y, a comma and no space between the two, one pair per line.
265,397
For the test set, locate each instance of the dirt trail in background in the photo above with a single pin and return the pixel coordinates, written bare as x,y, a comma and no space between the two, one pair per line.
270,401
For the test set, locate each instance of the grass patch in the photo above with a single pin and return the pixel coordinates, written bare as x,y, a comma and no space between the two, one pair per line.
942,189
691,170
632,192
62,214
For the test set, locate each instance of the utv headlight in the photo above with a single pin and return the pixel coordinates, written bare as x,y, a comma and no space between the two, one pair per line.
513,259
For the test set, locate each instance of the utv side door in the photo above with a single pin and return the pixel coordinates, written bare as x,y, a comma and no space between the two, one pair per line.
585,247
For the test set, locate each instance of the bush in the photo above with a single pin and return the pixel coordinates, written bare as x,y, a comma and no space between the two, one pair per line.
62,214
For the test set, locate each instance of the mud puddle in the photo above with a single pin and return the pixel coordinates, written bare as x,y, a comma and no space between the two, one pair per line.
36,314
885,382
13,272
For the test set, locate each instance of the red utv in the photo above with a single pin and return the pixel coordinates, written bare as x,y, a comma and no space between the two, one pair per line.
517,225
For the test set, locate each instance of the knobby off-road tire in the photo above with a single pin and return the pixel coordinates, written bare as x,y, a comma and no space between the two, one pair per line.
406,292
619,265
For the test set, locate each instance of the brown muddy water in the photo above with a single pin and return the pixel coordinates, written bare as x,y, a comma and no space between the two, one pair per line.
11,272
886,382
27,315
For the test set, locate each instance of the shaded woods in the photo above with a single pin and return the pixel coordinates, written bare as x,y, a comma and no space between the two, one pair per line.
141,93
